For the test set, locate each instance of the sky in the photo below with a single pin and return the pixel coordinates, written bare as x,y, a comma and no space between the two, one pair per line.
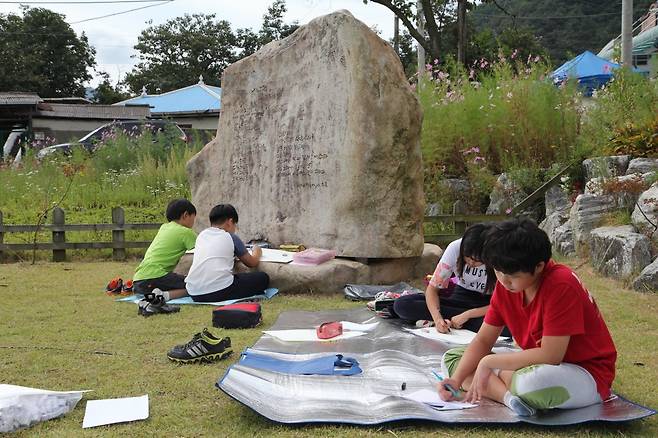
114,37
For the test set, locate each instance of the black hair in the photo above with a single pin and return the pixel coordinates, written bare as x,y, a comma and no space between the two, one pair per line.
471,246
516,245
221,213
177,207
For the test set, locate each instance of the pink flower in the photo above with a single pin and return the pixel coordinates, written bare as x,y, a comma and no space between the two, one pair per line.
436,61
515,53
471,74
508,211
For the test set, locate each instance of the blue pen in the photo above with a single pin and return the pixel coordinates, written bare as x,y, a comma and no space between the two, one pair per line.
452,390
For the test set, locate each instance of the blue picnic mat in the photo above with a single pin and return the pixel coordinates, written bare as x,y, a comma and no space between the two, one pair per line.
269,293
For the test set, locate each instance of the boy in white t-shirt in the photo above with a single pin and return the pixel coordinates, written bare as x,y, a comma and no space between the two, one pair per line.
211,276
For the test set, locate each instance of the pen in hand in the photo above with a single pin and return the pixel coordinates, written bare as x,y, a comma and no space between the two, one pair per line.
449,387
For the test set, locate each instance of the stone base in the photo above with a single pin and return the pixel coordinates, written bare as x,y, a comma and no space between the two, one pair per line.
332,276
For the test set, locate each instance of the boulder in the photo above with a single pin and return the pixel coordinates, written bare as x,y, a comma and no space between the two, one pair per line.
619,251
433,209
647,281
332,276
563,239
504,195
551,223
319,144
587,213
623,189
557,200
642,165
647,219
605,166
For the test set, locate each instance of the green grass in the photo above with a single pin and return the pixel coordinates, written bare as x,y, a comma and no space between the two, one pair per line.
54,317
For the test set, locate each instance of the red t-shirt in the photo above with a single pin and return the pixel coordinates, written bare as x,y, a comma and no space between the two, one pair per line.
562,307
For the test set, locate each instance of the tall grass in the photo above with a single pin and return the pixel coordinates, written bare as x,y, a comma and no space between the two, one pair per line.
139,174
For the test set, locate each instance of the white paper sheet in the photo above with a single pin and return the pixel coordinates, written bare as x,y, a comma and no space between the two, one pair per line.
353,326
275,256
305,335
431,398
456,336
115,410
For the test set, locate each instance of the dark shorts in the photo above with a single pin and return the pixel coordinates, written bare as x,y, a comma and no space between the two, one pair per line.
168,281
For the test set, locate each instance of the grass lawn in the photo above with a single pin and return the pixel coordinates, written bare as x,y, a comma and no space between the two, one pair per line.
55,320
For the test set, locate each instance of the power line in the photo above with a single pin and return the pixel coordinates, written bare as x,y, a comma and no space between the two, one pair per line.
78,2
122,12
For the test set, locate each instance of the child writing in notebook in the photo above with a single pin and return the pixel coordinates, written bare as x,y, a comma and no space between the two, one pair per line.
466,305
568,356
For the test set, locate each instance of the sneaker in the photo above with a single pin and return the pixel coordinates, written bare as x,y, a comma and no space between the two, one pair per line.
155,297
114,287
127,288
204,347
147,309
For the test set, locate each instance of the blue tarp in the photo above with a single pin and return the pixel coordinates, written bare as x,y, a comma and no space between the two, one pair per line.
589,70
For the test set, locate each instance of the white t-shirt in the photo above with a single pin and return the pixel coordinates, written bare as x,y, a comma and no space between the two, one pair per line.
212,265
474,279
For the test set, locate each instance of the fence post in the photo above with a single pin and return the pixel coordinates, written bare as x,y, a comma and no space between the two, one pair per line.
59,254
2,238
118,234
459,208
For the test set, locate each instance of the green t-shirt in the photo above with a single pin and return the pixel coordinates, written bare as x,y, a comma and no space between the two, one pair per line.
163,254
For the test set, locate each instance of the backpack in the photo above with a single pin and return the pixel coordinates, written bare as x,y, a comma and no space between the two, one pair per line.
239,315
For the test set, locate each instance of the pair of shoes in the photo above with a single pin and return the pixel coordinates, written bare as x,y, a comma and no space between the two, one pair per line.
117,286
382,296
204,347
146,308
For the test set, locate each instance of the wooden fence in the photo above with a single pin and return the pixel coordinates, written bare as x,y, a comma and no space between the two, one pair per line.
59,229
460,222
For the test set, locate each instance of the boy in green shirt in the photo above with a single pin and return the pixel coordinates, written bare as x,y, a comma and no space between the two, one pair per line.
154,277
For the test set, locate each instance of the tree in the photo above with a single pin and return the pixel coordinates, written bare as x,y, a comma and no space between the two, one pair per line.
41,53
107,94
176,53
436,15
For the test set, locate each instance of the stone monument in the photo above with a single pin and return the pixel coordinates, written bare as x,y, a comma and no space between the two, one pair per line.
319,143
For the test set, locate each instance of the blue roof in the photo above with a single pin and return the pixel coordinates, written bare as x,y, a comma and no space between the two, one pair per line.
195,98
584,65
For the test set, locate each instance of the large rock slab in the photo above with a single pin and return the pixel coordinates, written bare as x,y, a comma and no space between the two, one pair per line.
647,219
587,213
319,143
557,200
647,281
606,166
505,195
619,251
332,276
642,165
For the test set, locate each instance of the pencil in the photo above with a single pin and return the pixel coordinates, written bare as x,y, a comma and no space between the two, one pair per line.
449,387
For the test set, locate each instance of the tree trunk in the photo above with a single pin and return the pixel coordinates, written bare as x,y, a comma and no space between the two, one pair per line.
461,31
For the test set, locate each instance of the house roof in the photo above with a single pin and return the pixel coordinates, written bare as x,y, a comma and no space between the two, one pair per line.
77,111
197,98
17,98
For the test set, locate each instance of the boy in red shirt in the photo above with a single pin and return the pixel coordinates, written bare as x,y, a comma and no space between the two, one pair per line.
568,357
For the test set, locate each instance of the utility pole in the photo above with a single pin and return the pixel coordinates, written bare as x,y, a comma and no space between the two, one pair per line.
627,33
396,34
420,50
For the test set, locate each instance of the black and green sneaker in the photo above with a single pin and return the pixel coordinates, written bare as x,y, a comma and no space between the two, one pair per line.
204,347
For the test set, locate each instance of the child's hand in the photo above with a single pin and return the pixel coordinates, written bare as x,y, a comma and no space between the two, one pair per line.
480,383
445,393
442,325
458,321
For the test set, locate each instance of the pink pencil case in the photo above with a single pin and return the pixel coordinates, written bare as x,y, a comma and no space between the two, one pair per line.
313,256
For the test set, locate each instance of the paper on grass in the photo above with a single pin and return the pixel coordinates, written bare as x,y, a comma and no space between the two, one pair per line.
431,398
115,410
456,336
304,335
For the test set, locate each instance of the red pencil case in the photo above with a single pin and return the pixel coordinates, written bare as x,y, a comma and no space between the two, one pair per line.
329,330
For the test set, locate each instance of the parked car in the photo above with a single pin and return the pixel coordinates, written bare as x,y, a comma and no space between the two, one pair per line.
96,138
13,147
